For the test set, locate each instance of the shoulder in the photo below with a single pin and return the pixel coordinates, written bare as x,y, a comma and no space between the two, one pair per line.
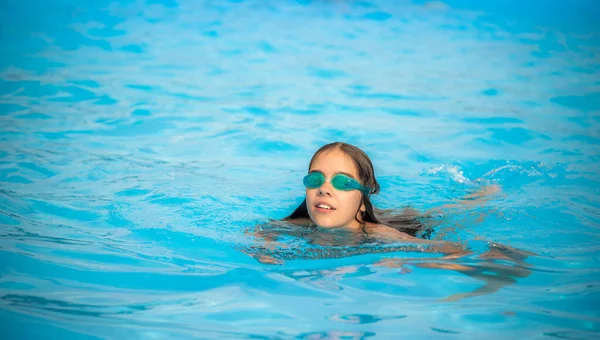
305,222
382,230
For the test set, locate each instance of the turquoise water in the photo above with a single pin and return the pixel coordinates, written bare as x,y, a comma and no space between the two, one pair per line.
141,138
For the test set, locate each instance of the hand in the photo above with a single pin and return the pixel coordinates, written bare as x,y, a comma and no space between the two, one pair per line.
481,195
390,263
394,263
267,259
487,191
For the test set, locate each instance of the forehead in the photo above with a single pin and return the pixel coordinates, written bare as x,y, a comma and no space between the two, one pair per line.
332,161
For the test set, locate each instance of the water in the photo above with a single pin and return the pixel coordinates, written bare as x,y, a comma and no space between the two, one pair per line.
141,139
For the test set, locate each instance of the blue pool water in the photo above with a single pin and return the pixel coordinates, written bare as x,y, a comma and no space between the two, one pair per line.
140,139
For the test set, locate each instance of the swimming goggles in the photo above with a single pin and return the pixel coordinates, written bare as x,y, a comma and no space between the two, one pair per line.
340,182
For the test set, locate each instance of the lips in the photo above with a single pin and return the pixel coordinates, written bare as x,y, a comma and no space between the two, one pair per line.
324,207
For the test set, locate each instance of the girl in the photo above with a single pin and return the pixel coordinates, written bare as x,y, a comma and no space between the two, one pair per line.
339,185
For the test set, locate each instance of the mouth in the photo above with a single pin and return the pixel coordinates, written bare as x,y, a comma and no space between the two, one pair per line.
324,207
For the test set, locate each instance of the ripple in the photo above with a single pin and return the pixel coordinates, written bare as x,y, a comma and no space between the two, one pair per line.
248,316
59,306
571,335
327,73
493,120
7,218
133,192
362,318
586,103
6,109
515,136
65,212
378,16
76,94
34,167
491,92
444,331
34,116
339,334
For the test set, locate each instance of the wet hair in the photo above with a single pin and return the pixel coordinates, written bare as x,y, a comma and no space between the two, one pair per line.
407,221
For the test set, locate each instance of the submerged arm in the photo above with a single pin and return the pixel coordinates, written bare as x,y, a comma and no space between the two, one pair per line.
269,242
495,275
474,199
449,249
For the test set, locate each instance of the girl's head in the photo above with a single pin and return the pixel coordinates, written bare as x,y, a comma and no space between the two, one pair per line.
349,197
339,183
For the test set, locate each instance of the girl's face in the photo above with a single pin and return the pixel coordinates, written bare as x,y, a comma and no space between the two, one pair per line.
327,206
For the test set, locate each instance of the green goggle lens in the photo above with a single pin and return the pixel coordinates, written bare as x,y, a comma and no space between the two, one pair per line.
339,181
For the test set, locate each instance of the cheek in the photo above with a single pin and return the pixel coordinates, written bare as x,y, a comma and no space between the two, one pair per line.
310,196
350,201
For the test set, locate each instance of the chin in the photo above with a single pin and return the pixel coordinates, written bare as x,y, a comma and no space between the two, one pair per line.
323,223
326,225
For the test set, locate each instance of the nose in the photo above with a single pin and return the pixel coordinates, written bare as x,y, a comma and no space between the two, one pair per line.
325,189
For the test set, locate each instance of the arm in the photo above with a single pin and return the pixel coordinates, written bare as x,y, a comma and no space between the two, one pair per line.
449,249
475,199
495,275
269,242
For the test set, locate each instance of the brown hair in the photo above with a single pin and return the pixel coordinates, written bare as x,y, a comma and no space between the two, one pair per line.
406,221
